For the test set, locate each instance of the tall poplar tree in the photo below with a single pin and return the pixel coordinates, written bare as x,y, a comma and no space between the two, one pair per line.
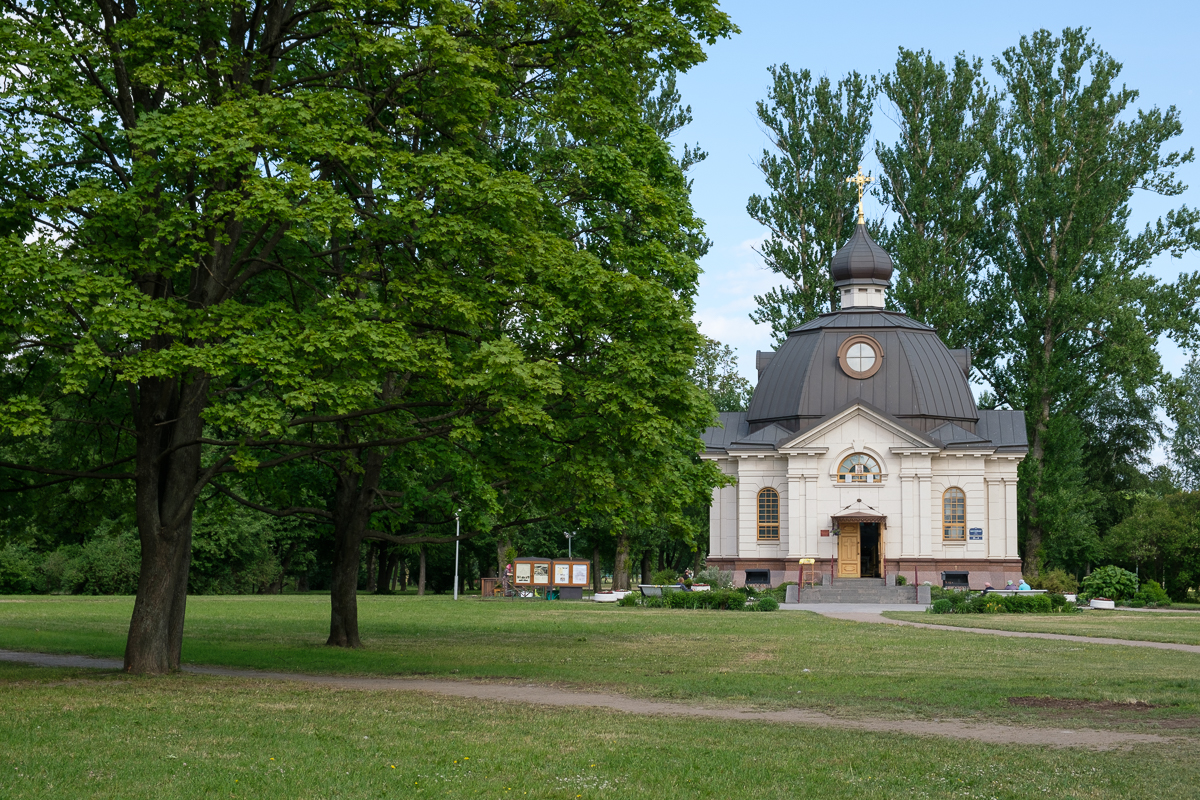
819,133
932,180
1068,313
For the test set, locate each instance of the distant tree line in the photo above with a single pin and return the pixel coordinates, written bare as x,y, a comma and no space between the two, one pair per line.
1008,214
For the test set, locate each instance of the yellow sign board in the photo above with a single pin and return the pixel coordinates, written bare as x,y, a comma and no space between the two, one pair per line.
808,561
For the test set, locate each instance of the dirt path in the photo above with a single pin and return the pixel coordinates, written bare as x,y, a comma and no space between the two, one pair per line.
1088,738
858,616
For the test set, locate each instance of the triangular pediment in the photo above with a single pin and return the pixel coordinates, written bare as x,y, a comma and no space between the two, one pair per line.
850,412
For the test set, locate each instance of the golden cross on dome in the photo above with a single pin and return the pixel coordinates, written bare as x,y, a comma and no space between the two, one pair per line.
861,180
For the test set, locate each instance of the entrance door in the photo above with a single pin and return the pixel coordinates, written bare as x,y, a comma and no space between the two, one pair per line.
848,551
870,549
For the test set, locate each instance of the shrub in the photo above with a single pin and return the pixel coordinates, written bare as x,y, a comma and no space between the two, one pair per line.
942,606
767,604
715,577
1056,580
628,600
650,602
17,573
1111,582
901,580
663,577
1152,592
107,565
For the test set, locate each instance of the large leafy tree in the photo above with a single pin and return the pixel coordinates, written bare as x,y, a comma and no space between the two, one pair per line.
1184,405
932,180
259,224
1068,315
819,132
716,372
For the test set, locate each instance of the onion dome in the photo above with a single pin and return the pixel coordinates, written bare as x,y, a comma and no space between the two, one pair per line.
860,260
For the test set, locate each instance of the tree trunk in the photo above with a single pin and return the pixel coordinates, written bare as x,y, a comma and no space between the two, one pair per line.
421,580
403,574
502,546
647,554
621,565
357,478
167,481
662,558
596,585
397,566
372,564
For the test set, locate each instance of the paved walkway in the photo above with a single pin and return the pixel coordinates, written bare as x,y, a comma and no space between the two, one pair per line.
533,694
862,612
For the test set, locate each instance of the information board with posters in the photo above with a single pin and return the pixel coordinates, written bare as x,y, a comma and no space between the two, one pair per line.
532,572
569,572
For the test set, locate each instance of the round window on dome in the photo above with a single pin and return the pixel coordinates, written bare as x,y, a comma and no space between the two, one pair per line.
860,356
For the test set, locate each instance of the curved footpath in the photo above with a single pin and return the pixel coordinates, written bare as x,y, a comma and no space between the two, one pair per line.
860,612
1088,738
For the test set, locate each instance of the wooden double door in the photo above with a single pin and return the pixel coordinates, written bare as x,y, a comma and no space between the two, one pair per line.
860,550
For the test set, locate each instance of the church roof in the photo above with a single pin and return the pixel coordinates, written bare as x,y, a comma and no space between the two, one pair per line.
914,379
861,260
919,377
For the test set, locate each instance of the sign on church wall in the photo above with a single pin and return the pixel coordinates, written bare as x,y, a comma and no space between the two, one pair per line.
975,534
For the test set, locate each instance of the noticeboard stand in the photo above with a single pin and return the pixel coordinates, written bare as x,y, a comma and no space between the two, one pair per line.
808,572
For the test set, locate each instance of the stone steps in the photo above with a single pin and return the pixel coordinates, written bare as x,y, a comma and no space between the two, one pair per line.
861,590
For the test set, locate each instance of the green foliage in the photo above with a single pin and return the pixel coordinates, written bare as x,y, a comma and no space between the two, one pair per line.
1060,500
1070,319
628,601
716,372
819,132
1184,407
1162,535
1111,582
1152,592
766,604
932,180
1055,580
901,580
17,574
715,577
956,602
724,599
664,577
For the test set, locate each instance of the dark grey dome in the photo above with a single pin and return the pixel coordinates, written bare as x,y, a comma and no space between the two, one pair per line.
921,382
861,260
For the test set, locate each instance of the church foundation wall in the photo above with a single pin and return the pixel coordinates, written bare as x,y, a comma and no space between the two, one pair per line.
915,571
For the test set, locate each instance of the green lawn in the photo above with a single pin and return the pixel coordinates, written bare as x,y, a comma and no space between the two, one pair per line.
776,660
1144,626
66,733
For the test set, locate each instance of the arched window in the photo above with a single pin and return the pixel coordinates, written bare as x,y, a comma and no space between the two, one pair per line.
768,515
954,515
859,468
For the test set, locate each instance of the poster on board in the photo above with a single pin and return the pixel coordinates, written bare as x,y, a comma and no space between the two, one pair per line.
562,574
541,573
523,572
579,576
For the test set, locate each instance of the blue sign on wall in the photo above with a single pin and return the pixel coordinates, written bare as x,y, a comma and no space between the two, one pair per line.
975,534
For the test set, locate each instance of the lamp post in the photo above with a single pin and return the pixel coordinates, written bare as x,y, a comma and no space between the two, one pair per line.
570,535
457,529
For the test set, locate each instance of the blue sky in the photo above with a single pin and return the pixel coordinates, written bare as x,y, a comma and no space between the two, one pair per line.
1155,42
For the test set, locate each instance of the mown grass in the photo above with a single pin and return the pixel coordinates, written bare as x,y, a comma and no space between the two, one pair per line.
776,660
68,733
1182,628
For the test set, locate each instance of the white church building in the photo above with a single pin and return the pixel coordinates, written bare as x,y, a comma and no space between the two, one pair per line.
863,450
